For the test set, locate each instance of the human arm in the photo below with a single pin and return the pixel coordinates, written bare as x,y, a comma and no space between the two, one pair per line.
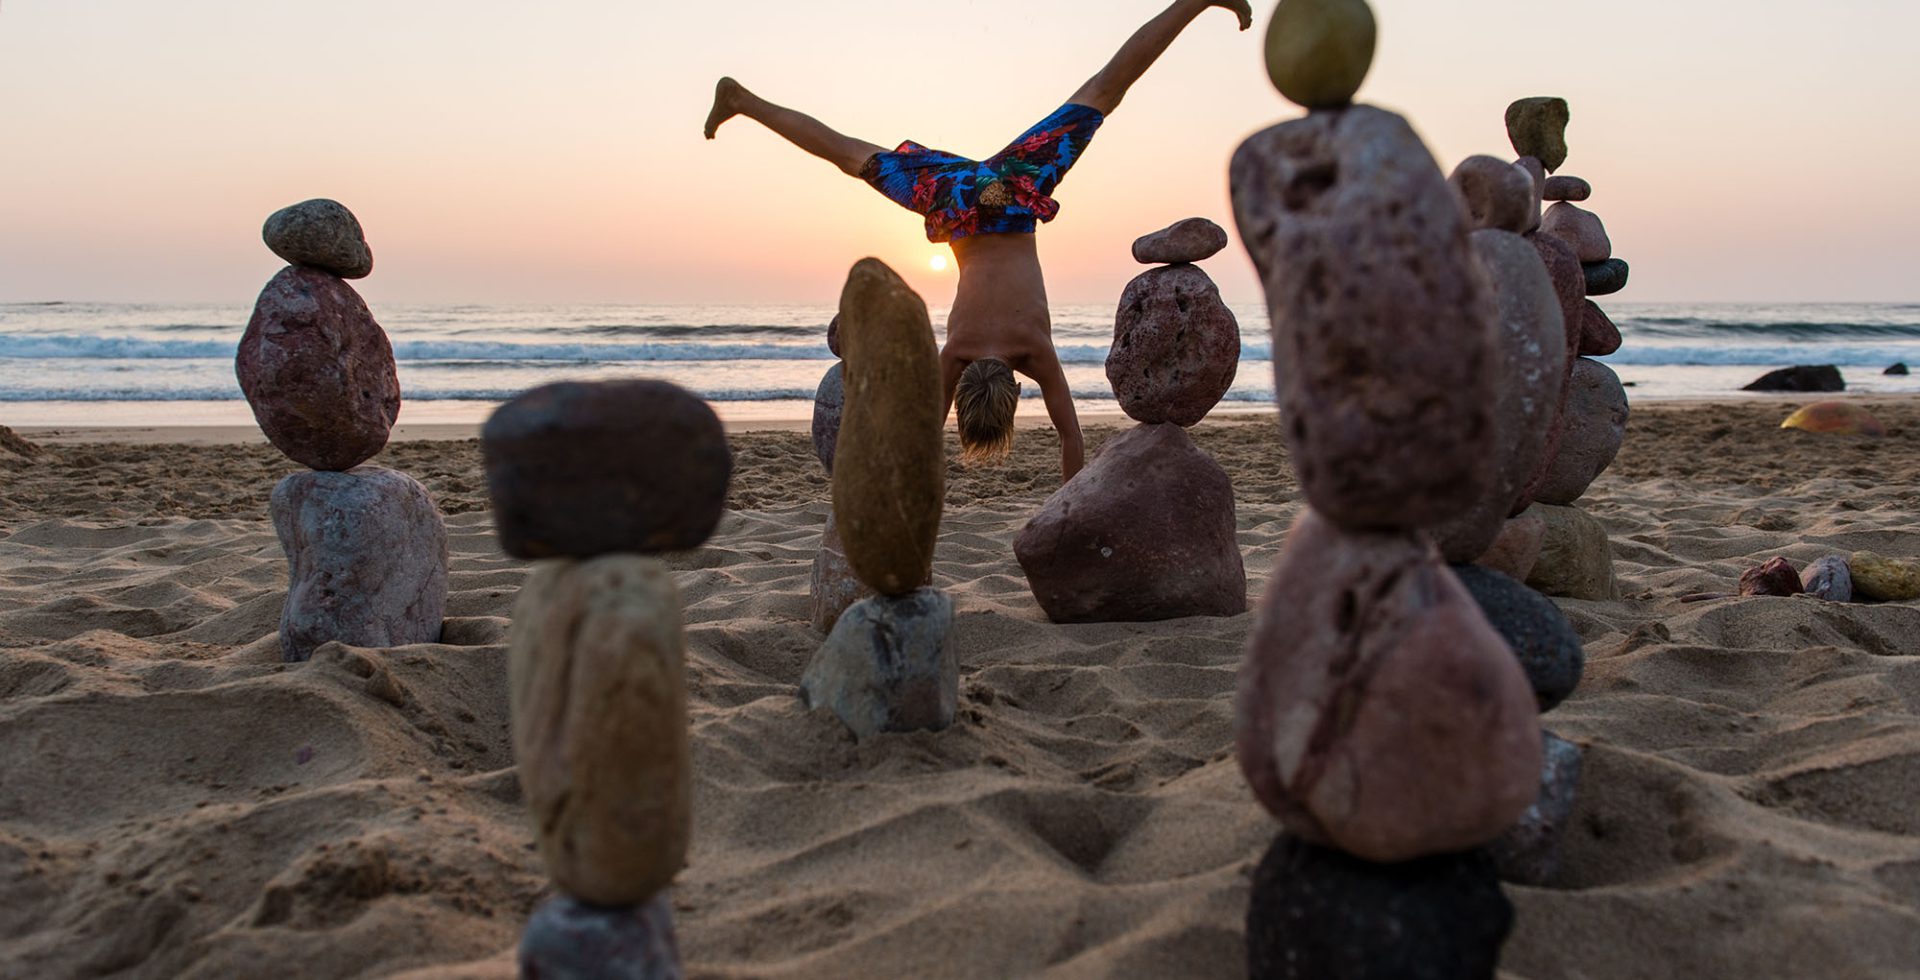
1046,371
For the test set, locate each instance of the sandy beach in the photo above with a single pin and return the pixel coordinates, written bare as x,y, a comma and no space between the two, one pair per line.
174,801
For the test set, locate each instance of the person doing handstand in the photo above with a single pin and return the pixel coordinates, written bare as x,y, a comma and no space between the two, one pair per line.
987,211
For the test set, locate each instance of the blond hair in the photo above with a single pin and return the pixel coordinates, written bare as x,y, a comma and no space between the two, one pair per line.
985,400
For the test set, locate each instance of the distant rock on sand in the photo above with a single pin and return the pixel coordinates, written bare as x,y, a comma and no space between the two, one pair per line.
11,443
1802,377
1898,370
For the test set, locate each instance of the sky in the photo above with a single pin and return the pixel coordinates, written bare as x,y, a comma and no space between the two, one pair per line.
551,152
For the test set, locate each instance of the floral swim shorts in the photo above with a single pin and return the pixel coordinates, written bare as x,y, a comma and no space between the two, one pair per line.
1005,193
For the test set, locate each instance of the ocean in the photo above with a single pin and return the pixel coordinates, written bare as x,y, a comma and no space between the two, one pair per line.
145,364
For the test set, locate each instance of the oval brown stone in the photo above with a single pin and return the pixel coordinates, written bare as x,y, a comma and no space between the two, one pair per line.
318,371
1498,194
1596,425
1176,346
1319,51
890,468
1382,321
320,233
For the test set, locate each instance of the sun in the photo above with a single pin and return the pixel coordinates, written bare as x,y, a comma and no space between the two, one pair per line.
937,263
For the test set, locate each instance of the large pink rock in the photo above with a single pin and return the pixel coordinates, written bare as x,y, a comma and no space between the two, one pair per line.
1176,346
1378,711
1596,425
1144,533
318,371
1580,228
1383,354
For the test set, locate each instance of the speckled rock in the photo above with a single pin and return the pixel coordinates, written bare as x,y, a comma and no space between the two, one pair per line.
1176,346
832,587
367,560
1319,51
580,469
1598,335
1884,579
888,665
1531,852
1606,278
1596,425
1777,577
1370,281
597,678
318,371
828,402
567,939
1187,240
833,335
1146,532
1378,711
1563,267
890,468
1537,128
1536,172
1564,188
1318,914
322,234
1576,559
1835,418
1546,644
1517,547
1828,578
1579,228
1498,194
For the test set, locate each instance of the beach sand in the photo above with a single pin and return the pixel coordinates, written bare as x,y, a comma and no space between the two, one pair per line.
176,802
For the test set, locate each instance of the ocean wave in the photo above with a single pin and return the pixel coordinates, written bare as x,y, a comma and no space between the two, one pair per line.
1704,328
1856,356
214,394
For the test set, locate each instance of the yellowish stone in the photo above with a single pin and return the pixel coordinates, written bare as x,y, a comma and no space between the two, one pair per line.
1885,579
1319,51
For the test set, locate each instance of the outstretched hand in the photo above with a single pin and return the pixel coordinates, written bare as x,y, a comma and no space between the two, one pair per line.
1241,8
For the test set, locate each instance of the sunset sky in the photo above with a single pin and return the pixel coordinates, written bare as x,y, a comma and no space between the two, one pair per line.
551,152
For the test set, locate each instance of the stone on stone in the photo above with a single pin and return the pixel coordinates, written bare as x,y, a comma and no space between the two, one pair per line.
1531,852
318,371
888,666
1318,914
833,335
580,469
367,560
1565,188
1569,284
1319,51
1176,346
1145,532
1498,194
1537,128
1829,578
832,587
1386,387
1537,173
1835,417
1517,548
1576,559
1884,579
1580,228
1801,377
597,678
322,234
1546,644
567,939
1596,425
1598,335
1186,240
1606,278
828,402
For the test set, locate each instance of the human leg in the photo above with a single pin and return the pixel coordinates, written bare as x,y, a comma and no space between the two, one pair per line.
1106,88
730,98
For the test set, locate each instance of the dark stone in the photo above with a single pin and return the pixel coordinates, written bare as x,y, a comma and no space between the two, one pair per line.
1498,194
1598,335
322,234
568,939
888,665
1777,577
1822,377
1188,240
1537,127
318,371
579,469
1596,424
1829,578
1568,189
1531,852
1546,644
1605,278
366,560
1899,370
833,335
1146,532
828,400
1569,284
1318,914
1176,346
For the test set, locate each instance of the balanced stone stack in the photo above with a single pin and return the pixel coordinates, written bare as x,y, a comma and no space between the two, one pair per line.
366,546
595,477
888,665
1379,713
833,586
1146,532
1574,559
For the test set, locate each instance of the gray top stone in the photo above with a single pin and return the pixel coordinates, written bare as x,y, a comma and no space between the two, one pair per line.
322,234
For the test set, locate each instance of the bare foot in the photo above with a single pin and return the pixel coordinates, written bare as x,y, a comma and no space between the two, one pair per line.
1241,9
726,98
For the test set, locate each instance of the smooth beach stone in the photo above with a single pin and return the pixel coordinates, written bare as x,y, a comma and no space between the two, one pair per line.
1387,390
1606,278
1319,51
828,402
1565,188
579,469
597,678
322,234
1378,711
1598,335
1800,377
1498,194
1537,128
1317,914
1836,418
888,666
1531,852
1569,284
1580,228
1898,370
1536,172
1829,578
367,560
1145,532
1576,559
1884,579
1517,547
890,468
318,371
1596,425
1547,646
1777,577
1176,346
833,335
1187,240
832,586
567,939
1530,357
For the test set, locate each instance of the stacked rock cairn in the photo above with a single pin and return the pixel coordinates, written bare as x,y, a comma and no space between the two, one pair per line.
1387,711
833,586
888,665
589,479
366,546
1146,531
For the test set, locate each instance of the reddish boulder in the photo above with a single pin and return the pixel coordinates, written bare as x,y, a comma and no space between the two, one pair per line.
1580,228
1176,346
1598,336
318,371
1189,240
1777,577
